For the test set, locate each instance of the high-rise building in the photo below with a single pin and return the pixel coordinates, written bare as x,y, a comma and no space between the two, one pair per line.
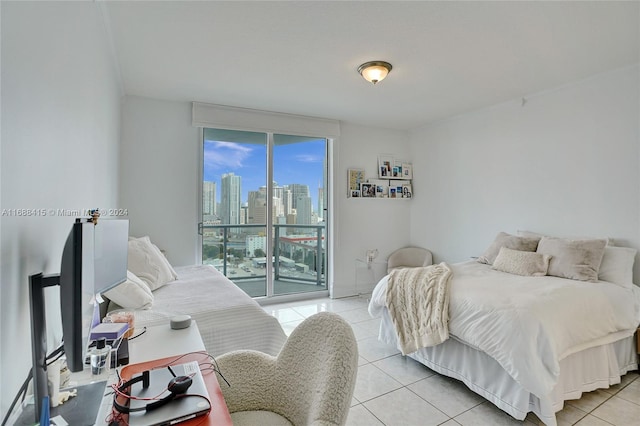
298,190
230,199
304,210
320,210
208,198
257,206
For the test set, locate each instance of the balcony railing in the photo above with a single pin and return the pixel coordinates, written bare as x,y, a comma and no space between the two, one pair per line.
227,245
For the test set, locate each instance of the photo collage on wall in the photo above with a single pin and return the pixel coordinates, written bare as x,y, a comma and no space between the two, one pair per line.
393,180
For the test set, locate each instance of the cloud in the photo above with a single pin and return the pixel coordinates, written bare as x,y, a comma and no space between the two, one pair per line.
307,158
225,155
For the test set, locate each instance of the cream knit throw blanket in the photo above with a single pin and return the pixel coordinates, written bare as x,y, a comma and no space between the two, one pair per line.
418,301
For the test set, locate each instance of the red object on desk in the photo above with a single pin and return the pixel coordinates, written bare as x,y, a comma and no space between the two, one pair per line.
219,414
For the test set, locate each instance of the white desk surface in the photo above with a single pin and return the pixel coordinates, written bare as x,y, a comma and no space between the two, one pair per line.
157,342
161,341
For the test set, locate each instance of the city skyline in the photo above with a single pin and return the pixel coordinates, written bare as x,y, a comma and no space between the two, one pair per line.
294,163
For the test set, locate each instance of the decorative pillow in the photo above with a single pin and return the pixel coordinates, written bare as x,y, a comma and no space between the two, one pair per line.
531,234
573,259
617,266
527,263
509,241
149,264
131,294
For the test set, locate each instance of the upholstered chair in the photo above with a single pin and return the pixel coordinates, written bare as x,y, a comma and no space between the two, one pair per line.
409,257
310,382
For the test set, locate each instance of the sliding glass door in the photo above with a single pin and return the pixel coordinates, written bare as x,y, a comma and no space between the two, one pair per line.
268,239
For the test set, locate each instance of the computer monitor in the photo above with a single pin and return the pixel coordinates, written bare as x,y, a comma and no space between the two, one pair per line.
94,259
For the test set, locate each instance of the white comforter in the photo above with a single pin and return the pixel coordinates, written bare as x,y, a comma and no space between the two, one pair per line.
529,324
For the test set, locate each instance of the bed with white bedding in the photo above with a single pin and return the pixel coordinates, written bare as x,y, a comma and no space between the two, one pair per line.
228,319
528,343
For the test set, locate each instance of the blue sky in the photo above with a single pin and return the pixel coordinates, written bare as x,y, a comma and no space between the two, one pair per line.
293,163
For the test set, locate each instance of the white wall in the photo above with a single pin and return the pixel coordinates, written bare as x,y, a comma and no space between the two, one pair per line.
159,175
566,164
160,172
59,149
365,223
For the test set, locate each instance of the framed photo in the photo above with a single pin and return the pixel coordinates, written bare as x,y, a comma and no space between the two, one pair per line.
382,187
406,191
407,171
355,193
385,166
399,191
392,192
368,190
355,178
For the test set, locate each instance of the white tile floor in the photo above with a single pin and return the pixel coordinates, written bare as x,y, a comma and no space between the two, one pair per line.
396,390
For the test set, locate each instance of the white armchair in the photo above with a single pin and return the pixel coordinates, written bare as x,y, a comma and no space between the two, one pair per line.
310,382
409,257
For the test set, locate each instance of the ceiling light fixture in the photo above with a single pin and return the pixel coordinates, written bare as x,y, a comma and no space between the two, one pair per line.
374,71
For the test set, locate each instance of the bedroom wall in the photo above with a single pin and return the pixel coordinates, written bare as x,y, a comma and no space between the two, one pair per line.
59,150
160,170
565,163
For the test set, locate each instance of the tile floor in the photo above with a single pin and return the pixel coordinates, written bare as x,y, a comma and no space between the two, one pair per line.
396,390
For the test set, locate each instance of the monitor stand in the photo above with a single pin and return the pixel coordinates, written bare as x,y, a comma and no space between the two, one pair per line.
81,410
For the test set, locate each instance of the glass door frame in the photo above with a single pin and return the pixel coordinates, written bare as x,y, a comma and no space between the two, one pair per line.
270,296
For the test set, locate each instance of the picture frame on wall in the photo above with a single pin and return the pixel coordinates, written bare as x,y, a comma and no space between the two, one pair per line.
392,192
382,187
407,171
355,178
407,191
385,166
368,190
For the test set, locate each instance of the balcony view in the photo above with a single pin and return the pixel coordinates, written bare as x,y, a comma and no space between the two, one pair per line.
235,200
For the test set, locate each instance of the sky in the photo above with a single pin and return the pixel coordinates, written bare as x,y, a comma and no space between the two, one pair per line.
293,163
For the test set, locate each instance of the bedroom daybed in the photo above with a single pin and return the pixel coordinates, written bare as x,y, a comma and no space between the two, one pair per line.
228,319
528,343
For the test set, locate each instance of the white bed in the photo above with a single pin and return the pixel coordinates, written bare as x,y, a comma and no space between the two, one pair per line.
506,343
228,319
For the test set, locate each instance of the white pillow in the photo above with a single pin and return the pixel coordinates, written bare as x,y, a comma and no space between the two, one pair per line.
531,234
131,294
617,266
527,263
149,264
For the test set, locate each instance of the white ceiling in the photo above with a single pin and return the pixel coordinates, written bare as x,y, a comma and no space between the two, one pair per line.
301,57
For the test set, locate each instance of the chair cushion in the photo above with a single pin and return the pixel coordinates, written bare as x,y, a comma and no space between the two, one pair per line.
263,418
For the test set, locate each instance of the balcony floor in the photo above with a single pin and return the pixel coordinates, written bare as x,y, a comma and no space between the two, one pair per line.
257,287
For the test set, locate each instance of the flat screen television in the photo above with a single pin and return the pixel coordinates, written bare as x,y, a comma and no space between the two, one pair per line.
94,259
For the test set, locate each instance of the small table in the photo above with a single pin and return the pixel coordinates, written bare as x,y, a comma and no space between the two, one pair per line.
368,274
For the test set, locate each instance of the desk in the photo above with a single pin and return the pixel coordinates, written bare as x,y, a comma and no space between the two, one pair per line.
159,345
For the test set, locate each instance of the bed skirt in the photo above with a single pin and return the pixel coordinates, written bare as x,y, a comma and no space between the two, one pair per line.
585,371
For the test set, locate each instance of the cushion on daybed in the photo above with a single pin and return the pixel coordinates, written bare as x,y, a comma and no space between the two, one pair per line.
573,259
149,264
513,242
131,294
518,262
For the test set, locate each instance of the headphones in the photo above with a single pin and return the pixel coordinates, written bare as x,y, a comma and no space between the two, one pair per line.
177,386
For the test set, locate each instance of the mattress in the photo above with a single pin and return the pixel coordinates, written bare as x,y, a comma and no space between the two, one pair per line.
227,317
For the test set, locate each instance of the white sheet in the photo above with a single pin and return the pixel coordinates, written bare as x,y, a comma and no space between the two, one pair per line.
516,319
227,317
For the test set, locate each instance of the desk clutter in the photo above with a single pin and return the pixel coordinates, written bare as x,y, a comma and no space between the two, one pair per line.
174,390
